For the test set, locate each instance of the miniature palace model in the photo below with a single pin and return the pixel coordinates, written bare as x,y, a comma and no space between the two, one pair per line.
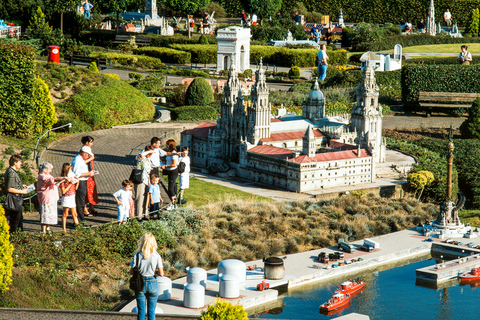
298,153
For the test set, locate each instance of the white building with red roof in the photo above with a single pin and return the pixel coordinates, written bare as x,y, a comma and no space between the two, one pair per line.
299,153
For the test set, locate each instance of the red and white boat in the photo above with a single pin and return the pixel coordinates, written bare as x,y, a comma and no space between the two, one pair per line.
351,286
336,301
470,276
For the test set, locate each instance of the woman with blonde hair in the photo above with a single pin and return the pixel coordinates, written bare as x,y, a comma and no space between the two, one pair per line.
150,264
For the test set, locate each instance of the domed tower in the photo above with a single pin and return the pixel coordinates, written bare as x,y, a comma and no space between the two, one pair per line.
367,114
314,106
259,112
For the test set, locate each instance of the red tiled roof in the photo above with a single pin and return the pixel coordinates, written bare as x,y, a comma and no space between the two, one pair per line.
272,151
275,120
294,135
330,156
201,131
342,146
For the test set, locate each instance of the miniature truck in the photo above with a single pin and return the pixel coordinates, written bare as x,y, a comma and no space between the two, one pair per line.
371,243
345,246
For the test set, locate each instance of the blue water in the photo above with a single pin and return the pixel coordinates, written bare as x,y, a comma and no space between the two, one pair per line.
389,294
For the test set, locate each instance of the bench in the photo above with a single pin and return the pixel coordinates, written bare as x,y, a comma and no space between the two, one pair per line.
446,100
139,40
85,61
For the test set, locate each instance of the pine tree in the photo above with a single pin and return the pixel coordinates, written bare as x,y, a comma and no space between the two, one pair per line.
45,116
473,24
38,28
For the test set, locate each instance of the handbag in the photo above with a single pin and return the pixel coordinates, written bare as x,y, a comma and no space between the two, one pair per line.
13,202
136,281
136,176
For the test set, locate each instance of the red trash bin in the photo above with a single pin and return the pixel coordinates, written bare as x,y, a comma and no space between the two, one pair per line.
53,54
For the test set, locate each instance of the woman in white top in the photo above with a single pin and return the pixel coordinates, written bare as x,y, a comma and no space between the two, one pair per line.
464,57
150,265
172,172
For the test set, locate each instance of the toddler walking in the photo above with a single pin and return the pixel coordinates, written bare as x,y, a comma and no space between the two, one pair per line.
154,197
123,202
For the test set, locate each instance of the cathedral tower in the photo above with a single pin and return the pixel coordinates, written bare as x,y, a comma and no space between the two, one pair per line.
259,112
309,142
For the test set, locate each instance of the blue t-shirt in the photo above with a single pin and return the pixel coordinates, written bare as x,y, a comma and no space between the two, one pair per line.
154,189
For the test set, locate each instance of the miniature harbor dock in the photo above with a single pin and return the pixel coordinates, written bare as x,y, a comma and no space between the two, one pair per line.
300,269
467,258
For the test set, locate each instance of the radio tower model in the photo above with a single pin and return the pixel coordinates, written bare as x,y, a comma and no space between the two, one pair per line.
448,216
431,28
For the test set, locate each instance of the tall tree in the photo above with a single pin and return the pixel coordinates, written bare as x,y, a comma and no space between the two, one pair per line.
187,7
62,6
265,8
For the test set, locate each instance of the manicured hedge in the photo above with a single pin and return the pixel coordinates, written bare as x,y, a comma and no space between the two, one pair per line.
166,41
388,42
437,78
437,60
97,37
191,113
130,60
165,54
17,79
200,53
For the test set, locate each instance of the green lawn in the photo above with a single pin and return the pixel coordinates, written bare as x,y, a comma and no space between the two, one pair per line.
440,48
202,192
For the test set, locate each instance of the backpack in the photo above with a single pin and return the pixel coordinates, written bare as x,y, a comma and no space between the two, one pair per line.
136,282
181,167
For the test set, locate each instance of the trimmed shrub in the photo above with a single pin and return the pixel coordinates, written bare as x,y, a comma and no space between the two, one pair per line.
45,115
433,78
152,85
200,53
130,60
223,310
113,75
193,113
135,76
17,79
199,93
294,72
203,40
6,253
165,54
435,60
93,67
112,103
470,128
473,24
167,41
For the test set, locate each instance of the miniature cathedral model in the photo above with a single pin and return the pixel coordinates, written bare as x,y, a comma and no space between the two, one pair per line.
298,153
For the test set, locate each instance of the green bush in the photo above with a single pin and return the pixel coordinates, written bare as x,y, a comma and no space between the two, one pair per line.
203,40
112,103
135,76
223,310
165,54
294,72
17,85
436,60
6,253
111,75
152,85
436,78
194,113
200,53
470,128
286,57
97,37
10,151
45,115
167,41
199,93
130,60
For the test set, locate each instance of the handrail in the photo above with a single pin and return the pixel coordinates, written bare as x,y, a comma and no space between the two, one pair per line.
35,152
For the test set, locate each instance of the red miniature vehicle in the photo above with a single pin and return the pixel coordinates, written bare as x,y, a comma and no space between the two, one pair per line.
263,286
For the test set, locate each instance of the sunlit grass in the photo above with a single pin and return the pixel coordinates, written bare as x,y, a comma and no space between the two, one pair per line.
470,216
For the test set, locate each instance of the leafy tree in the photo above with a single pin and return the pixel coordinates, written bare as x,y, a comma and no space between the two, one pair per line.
294,72
199,93
6,251
470,128
38,26
45,116
473,24
265,8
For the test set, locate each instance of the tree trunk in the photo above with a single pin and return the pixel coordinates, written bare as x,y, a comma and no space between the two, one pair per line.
61,22
118,22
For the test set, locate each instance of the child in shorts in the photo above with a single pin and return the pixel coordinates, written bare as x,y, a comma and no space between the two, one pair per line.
184,176
154,197
123,204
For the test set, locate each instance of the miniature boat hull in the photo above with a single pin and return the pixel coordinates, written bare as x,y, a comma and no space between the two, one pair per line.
337,301
473,275
350,287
